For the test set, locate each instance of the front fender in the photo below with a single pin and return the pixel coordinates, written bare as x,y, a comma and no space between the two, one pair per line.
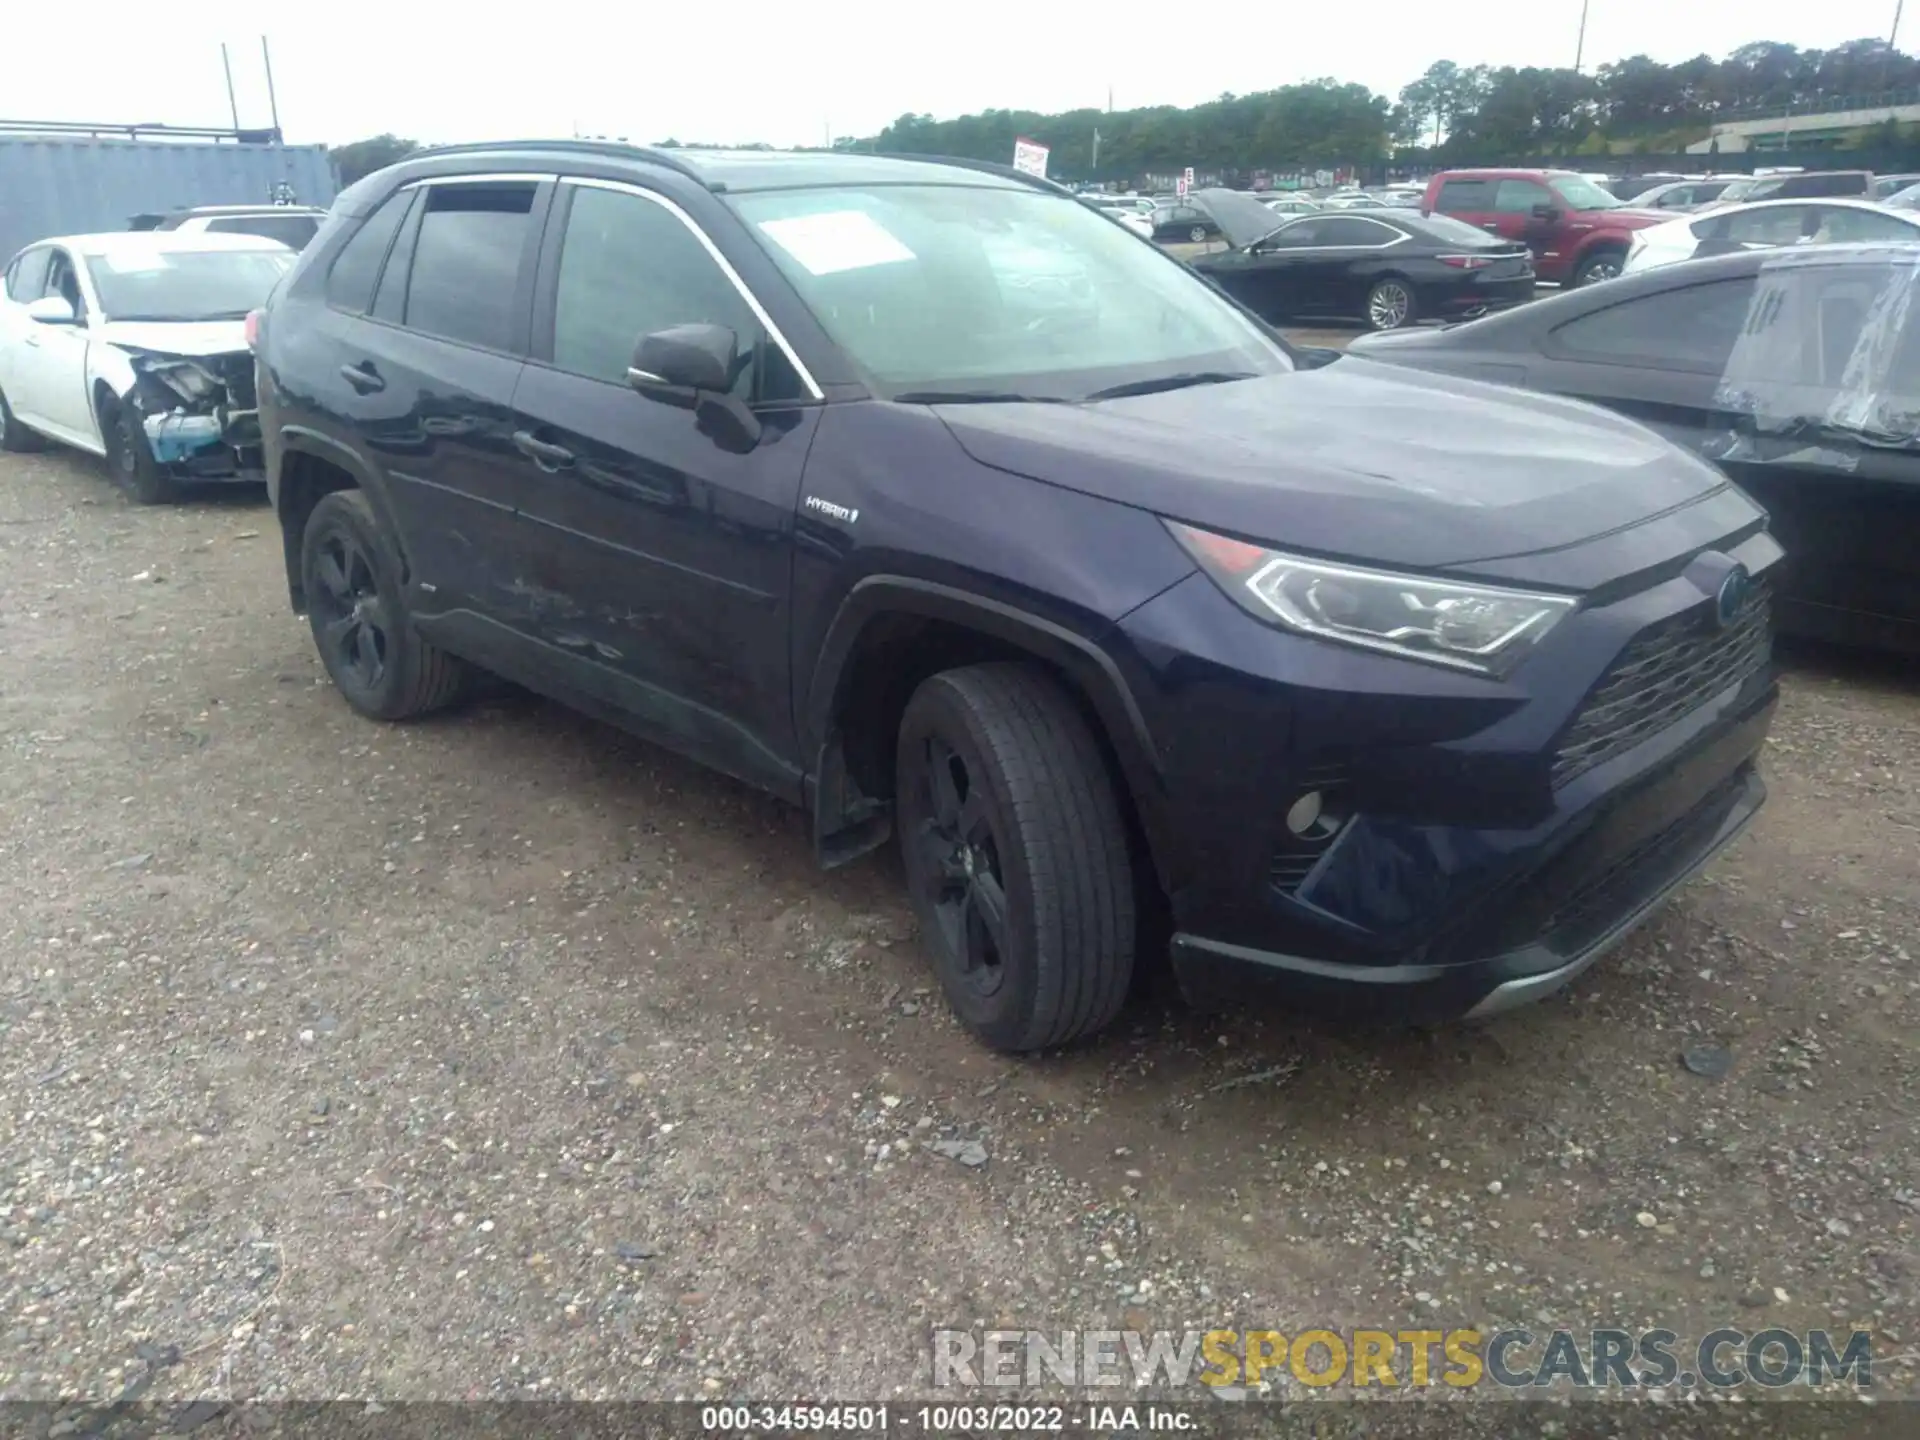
109,365
1080,657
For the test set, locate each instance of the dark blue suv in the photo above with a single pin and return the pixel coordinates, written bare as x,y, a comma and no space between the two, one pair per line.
935,502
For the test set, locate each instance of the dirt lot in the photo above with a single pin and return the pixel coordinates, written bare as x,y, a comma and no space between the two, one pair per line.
505,1056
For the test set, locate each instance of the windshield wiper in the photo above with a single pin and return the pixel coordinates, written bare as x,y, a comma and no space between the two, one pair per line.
973,397
1169,382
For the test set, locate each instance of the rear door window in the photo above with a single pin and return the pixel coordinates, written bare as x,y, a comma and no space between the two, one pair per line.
1692,329
1356,231
464,281
1465,197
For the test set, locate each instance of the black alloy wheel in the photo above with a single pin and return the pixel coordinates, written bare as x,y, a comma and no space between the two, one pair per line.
959,864
1016,856
351,572
350,622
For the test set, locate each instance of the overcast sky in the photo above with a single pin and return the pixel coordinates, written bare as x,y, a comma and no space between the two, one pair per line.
790,74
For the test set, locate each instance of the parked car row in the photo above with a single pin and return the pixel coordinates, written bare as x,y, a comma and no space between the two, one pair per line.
921,496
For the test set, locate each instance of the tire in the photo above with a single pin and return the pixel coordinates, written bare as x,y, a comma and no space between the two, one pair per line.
1197,234
1390,304
357,610
15,438
130,458
1016,856
1601,265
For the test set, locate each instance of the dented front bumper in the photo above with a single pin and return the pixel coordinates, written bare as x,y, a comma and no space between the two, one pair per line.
199,414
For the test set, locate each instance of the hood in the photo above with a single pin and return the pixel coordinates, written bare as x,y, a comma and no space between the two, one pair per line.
1242,219
1360,460
1631,217
165,337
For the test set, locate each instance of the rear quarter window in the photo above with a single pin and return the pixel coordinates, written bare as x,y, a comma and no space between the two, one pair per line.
356,268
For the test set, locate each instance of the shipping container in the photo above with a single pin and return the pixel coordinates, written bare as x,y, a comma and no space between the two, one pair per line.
76,186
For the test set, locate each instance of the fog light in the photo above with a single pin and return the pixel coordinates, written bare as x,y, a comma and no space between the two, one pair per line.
1304,813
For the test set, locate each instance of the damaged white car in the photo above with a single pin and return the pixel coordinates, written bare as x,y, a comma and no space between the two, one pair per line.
133,346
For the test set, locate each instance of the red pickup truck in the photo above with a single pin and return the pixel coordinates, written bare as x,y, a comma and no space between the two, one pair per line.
1578,232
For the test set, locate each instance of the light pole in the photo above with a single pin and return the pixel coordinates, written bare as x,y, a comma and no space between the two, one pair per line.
1580,45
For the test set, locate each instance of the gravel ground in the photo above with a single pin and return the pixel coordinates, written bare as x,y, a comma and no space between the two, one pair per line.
503,1056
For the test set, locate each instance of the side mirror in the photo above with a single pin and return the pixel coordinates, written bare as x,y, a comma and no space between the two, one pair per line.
51,310
685,357
1549,213
694,366
1315,357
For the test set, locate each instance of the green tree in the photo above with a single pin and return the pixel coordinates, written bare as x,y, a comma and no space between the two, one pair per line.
363,157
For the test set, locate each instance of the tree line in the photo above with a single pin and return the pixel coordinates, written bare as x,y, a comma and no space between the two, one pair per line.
1451,114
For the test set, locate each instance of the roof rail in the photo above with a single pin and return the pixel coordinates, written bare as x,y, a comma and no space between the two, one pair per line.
653,153
988,167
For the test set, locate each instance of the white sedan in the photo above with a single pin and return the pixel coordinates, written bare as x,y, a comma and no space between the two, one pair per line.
1765,225
133,345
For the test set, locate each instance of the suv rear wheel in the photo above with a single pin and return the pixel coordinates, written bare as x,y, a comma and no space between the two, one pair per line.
351,575
1016,856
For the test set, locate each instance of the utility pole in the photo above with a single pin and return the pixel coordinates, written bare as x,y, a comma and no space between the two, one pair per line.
273,105
233,105
1893,40
1580,45
1096,150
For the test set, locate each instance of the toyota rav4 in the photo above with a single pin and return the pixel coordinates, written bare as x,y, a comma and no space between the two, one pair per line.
927,498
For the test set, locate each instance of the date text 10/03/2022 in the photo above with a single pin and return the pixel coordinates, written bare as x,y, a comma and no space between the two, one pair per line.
943,1419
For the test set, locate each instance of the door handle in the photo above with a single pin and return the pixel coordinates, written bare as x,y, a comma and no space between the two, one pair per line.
543,453
363,377
32,340
1495,228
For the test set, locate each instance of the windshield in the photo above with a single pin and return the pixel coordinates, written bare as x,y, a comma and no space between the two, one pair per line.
975,291
1907,199
186,285
1748,190
1581,193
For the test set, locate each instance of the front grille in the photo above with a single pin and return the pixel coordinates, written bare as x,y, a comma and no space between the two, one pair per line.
1665,673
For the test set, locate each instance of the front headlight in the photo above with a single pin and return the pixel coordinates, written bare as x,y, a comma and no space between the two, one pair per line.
1482,628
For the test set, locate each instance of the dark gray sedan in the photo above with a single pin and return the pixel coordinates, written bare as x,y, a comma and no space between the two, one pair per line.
1796,371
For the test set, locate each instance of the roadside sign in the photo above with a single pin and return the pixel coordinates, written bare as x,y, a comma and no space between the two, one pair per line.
1180,187
1187,175
1030,156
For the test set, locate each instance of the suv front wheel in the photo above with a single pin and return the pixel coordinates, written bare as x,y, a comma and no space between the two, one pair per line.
351,575
1016,856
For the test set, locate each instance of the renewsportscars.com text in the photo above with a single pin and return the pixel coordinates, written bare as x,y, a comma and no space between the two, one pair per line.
1515,1359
